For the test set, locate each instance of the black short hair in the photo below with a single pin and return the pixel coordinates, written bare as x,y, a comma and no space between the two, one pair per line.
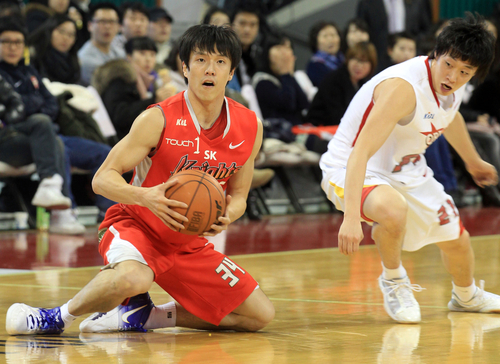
468,40
13,24
133,6
316,28
103,5
246,8
392,39
140,44
210,38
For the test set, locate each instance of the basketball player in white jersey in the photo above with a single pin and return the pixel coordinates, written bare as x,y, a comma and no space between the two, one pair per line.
375,170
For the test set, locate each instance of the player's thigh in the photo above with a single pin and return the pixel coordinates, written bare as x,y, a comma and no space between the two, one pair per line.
257,306
385,205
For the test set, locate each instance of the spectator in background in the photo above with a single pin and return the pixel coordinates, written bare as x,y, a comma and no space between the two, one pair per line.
38,11
216,16
386,17
135,22
32,138
324,40
11,8
160,29
339,87
39,103
174,65
402,46
124,90
103,26
55,55
245,22
355,31
279,94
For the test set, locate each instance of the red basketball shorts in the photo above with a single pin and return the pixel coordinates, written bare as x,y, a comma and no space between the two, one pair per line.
205,282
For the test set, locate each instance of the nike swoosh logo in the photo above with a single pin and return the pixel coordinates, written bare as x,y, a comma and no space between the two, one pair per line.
126,315
231,146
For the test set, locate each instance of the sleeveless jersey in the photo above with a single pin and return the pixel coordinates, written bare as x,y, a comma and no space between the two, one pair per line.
183,146
401,156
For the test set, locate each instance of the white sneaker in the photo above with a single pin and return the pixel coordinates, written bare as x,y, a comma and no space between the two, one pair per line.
129,317
49,195
399,301
65,222
22,319
483,302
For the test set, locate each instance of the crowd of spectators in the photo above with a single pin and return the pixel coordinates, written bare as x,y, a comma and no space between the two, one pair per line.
53,52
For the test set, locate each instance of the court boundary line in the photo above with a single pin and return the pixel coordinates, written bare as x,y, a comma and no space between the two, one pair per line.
237,256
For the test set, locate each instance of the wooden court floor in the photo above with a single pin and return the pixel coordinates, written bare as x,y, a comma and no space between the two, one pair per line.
328,310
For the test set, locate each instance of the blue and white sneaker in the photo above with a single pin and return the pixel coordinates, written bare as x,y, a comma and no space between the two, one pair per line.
26,320
129,317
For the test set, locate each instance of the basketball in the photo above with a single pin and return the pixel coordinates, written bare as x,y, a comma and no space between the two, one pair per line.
203,195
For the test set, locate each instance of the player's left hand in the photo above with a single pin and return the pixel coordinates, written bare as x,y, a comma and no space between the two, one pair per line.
483,173
223,223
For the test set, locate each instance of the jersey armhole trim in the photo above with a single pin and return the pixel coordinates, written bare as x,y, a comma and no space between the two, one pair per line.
153,151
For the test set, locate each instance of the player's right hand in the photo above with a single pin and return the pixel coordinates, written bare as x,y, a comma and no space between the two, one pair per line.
154,199
350,235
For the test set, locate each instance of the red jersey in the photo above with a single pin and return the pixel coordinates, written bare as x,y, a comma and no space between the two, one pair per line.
185,145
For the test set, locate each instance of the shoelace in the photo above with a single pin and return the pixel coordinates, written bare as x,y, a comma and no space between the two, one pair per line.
46,319
405,294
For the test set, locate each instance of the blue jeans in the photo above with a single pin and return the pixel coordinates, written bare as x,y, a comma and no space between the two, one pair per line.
439,160
88,155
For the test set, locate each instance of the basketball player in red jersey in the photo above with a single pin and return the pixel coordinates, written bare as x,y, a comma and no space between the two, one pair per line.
196,129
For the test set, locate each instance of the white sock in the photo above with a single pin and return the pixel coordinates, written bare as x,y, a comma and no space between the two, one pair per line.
66,316
389,274
162,316
465,294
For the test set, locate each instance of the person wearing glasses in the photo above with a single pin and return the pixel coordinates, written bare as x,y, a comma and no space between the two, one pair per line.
104,24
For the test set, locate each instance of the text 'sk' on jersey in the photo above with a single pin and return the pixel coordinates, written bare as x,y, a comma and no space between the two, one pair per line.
183,146
401,156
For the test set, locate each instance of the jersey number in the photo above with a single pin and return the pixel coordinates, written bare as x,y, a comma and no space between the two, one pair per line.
407,159
444,218
228,267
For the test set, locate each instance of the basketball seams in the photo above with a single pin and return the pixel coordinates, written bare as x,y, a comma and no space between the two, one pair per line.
201,210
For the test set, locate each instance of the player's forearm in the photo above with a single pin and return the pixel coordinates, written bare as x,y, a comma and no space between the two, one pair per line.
237,207
113,186
355,177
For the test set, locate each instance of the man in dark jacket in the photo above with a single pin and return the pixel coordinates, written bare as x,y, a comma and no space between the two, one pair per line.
41,108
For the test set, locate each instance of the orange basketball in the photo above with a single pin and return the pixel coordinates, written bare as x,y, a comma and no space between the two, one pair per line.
204,197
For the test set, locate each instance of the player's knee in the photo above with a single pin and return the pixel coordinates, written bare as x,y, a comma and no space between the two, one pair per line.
265,316
460,246
393,215
128,282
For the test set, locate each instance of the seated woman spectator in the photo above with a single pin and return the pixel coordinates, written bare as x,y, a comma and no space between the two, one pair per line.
278,93
217,16
38,11
54,53
324,40
339,87
355,31
127,87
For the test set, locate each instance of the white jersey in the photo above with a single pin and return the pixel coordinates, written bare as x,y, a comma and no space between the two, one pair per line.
401,156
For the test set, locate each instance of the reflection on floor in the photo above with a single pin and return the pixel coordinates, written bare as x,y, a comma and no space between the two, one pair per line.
40,250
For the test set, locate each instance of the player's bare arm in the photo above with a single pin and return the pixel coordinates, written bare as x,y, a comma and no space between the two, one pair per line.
393,100
238,187
128,153
483,173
